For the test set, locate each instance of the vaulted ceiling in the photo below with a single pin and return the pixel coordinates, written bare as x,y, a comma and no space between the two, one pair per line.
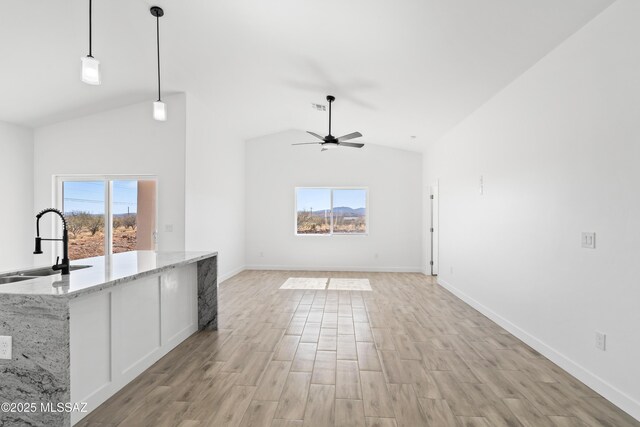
397,68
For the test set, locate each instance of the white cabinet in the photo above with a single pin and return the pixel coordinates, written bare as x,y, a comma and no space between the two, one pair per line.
119,332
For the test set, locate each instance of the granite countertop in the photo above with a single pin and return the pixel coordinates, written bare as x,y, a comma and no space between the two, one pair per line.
105,272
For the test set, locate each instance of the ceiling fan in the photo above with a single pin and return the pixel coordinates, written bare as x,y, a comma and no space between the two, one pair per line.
330,140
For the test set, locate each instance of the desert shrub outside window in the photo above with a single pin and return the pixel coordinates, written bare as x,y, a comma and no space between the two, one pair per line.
326,211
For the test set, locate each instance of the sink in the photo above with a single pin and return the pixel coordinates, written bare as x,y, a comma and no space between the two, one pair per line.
35,273
13,279
48,271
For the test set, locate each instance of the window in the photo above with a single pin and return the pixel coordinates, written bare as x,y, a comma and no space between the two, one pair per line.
327,211
108,214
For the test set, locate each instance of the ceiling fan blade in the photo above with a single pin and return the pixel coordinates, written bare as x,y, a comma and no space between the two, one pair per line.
350,136
351,144
316,135
307,143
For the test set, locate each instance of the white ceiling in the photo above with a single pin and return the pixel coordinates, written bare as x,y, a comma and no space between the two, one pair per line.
398,68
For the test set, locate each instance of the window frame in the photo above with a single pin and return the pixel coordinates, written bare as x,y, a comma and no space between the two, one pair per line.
331,232
58,202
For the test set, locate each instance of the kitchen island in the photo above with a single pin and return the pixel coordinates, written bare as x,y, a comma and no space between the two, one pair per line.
78,339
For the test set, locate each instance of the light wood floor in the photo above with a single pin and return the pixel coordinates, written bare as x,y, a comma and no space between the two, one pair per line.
408,353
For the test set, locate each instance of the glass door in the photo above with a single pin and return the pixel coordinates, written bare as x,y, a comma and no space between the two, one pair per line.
108,215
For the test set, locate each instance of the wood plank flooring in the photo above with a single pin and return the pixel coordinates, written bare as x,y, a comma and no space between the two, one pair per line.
408,353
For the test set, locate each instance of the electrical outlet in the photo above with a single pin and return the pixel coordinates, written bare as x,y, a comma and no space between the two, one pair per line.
168,228
601,341
376,255
5,347
451,269
481,185
261,254
588,240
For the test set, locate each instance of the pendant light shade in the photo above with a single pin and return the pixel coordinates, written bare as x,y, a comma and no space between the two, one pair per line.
159,107
90,70
90,65
160,111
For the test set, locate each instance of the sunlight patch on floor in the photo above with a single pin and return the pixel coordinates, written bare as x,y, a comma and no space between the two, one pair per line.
316,283
305,283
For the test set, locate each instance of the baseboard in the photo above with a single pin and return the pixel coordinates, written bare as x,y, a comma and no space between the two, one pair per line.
606,390
230,274
325,268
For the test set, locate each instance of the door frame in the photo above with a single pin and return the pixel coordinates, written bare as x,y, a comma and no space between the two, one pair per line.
434,225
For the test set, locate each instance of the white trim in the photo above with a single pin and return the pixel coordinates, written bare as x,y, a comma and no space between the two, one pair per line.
108,217
230,274
342,268
608,391
103,177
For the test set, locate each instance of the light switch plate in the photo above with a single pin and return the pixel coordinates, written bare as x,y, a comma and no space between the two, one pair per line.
601,341
5,347
588,240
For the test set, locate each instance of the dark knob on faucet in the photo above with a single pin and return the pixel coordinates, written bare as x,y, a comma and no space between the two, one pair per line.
38,246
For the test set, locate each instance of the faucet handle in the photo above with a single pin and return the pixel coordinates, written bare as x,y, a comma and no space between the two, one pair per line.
56,267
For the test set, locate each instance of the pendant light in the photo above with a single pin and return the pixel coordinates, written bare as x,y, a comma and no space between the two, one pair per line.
90,65
159,107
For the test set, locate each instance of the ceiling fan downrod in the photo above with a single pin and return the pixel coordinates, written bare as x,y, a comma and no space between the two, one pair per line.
330,98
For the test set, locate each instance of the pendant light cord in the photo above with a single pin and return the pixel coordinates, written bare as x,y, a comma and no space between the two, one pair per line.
158,45
90,29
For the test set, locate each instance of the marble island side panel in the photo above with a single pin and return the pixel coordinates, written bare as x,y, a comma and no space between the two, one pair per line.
38,371
208,294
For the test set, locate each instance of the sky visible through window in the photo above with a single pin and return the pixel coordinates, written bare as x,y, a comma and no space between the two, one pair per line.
88,196
314,198
355,199
319,199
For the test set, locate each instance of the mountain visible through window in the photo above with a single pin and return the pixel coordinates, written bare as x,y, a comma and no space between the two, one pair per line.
326,211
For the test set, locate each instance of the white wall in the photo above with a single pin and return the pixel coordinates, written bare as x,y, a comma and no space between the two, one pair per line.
122,141
16,194
559,150
215,213
394,179
198,160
